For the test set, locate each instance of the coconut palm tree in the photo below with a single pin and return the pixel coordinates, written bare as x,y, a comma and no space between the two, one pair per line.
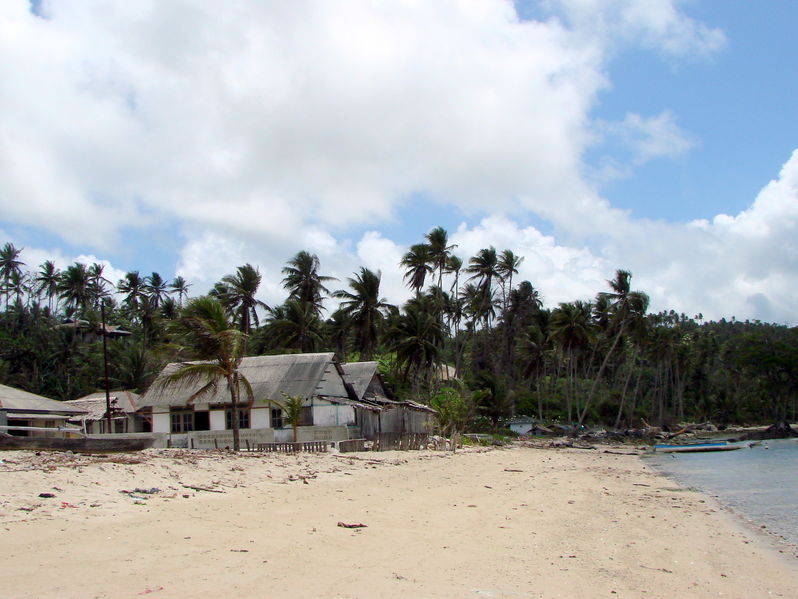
238,292
570,328
439,251
365,310
134,288
47,282
74,287
416,263
295,325
484,267
417,338
303,281
97,284
507,267
180,287
9,265
623,304
155,290
205,329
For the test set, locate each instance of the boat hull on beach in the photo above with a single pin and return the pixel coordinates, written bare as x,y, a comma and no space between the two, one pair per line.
699,447
82,444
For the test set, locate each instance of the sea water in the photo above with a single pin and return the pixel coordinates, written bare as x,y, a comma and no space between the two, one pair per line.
760,483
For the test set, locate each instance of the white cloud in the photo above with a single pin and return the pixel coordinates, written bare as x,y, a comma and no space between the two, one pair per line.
649,138
270,127
657,24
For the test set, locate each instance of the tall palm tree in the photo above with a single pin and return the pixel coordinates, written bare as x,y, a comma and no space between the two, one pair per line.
623,304
303,281
238,294
47,282
97,283
484,268
10,264
417,338
365,309
439,251
74,287
416,263
507,267
134,288
295,325
205,329
180,287
155,289
570,328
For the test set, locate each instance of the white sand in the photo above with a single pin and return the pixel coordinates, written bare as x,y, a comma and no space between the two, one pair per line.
503,523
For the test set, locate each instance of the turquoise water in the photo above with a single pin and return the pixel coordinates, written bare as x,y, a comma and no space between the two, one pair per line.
761,483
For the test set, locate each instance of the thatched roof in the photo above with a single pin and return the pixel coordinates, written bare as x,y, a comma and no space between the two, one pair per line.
122,403
17,400
302,375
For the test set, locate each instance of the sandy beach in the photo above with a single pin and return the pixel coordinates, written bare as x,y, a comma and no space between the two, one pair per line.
509,522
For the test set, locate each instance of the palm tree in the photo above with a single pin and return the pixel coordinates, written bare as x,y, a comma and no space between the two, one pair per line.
47,282
303,281
295,325
484,268
155,289
623,304
238,291
439,251
365,310
206,330
507,267
134,287
75,287
180,287
97,283
417,264
570,328
417,338
9,266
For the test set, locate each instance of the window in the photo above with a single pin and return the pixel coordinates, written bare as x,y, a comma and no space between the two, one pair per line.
306,417
277,418
243,419
182,421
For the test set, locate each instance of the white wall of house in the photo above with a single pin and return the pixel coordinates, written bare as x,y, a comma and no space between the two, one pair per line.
161,422
333,415
259,417
217,420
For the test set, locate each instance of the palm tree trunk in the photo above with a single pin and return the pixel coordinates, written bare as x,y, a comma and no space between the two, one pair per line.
233,382
600,372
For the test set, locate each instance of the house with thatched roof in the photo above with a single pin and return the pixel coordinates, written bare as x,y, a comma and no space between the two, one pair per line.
124,418
30,415
206,422
391,416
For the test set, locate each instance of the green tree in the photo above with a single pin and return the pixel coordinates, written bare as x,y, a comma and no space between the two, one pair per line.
303,281
365,310
205,329
416,263
238,294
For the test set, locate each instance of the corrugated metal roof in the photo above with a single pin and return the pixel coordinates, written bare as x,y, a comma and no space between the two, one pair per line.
303,375
122,402
12,398
359,375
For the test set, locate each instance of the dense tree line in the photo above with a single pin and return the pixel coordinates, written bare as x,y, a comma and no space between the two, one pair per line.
607,361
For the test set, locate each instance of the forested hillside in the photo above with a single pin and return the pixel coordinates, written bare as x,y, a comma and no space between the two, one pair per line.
470,325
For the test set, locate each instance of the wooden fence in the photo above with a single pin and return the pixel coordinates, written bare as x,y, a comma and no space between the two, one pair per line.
401,441
352,445
308,446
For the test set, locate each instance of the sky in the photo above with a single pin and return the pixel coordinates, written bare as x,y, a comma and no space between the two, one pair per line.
191,137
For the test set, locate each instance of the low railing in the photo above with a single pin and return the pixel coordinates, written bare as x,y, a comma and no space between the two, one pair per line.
401,441
351,445
307,447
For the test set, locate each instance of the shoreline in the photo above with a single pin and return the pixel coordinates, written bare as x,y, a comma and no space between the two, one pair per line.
508,522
